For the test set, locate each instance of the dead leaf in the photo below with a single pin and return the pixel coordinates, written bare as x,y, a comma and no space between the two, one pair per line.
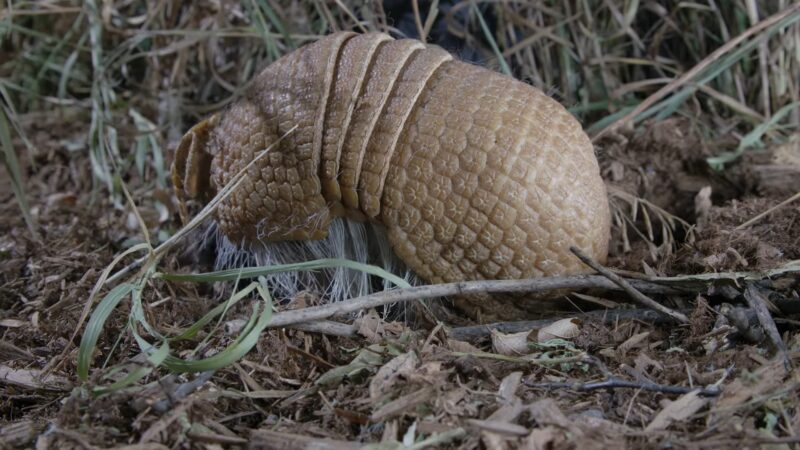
510,344
499,427
13,323
607,427
428,373
547,412
508,387
364,361
633,341
32,379
461,346
702,206
765,379
452,402
677,411
398,406
560,329
543,439
61,199
374,328
643,362
389,373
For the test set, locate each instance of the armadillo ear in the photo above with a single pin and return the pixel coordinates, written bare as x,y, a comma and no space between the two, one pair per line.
191,169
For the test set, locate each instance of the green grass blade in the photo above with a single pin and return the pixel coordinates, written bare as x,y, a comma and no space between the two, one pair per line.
11,163
714,70
154,360
246,341
609,119
147,142
95,326
753,138
492,42
252,272
277,23
209,316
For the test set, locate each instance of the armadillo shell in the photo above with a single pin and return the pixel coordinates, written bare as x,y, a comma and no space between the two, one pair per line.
474,175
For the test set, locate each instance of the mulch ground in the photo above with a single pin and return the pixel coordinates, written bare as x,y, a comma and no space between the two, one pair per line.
584,382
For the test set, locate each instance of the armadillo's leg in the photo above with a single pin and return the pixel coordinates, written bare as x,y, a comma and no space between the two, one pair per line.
482,182
383,74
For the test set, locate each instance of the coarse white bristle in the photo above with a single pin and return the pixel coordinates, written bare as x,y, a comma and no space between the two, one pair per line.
361,242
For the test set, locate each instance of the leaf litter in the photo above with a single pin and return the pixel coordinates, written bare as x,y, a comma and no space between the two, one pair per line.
388,378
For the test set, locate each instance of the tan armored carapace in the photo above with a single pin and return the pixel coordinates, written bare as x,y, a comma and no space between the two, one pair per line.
474,175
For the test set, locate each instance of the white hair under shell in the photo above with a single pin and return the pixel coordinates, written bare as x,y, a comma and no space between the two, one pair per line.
361,242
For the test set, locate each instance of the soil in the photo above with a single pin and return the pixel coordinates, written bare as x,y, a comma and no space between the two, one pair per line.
664,164
397,382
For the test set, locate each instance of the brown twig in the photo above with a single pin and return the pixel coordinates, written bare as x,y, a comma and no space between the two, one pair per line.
327,327
215,438
178,392
616,383
418,21
758,303
533,285
626,286
769,211
607,316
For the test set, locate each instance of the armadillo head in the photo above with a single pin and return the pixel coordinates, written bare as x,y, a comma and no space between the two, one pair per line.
192,165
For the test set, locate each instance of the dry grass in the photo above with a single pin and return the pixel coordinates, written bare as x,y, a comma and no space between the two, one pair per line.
150,68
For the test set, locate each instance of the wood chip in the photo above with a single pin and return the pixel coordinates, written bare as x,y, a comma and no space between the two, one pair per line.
677,411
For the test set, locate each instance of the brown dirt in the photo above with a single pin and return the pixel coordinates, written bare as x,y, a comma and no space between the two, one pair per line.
664,163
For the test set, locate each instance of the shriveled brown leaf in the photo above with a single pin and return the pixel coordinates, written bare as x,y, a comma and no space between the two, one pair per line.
499,427
428,373
508,387
388,375
402,404
544,438
32,379
643,363
560,329
766,379
461,346
677,411
510,344
547,412
632,342
372,326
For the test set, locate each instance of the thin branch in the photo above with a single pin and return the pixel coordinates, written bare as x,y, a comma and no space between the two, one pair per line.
418,21
616,383
635,294
769,211
175,393
327,327
533,285
758,303
608,316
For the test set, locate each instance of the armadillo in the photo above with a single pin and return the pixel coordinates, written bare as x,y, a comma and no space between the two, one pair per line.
470,173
